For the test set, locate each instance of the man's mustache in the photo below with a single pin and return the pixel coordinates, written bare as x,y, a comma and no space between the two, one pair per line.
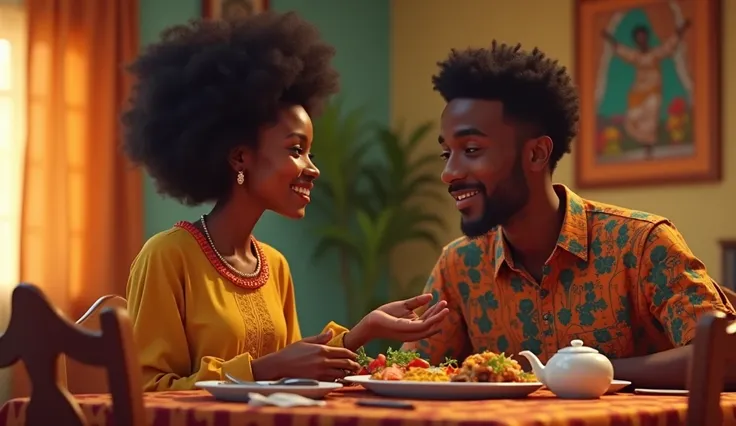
466,187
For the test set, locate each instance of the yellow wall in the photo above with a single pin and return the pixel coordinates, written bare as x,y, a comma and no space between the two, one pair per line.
423,32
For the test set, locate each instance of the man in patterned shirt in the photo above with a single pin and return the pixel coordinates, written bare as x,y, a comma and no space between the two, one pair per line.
541,266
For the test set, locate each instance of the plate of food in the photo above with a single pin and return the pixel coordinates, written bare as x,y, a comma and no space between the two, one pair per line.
405,374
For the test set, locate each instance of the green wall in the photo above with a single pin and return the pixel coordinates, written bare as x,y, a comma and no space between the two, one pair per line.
360,31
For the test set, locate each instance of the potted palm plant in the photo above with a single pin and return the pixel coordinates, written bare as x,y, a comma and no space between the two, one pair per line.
369,203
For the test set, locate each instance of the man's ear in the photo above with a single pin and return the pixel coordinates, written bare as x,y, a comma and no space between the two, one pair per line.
539,151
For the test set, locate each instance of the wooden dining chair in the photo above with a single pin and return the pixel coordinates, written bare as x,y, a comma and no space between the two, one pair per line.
38,333
76,376
82,378
713,345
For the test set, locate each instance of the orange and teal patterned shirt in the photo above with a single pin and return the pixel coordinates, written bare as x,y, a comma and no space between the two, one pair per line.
622,281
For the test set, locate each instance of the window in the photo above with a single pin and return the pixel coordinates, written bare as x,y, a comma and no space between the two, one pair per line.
12,145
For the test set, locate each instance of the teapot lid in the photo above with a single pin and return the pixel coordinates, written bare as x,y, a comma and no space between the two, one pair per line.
578,348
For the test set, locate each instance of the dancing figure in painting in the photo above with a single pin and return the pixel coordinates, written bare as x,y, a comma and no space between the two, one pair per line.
645,94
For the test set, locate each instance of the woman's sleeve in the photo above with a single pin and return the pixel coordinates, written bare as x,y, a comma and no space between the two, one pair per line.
156,307
292,320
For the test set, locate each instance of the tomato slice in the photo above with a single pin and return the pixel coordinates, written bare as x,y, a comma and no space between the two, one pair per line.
379,362
418,363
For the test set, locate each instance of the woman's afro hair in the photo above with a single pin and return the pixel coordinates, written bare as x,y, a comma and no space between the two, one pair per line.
209,86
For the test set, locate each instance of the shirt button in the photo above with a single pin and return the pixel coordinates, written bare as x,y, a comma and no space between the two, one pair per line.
547,317
544,293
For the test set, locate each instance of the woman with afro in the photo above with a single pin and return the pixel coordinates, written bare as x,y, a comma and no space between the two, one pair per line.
221,112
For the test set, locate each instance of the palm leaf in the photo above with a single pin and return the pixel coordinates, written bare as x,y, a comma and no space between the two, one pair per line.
424,161
333,236
392,149
363,199
413,287
418,183
412,235
376,181
373,230
418,135
357,155
425,218
323,206
432,193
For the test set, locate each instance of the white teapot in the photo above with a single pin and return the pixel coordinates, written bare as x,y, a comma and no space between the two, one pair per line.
574,372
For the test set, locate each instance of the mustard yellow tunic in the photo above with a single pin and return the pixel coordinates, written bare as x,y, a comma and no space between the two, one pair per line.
191,324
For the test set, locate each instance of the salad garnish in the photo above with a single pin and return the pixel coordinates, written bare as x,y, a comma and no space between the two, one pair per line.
363,358
399,357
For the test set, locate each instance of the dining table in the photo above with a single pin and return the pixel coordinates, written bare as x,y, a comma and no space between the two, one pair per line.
542,408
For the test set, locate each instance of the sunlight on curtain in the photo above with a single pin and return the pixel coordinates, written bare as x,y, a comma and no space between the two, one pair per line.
12,146
82,213
82,204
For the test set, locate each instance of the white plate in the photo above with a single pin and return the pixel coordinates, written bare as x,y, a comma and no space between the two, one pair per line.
445,390
225,391
617,385
673,392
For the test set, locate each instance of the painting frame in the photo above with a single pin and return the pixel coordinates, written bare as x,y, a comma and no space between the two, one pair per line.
705,164
211,8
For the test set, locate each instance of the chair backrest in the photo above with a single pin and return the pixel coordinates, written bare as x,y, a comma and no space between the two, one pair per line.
38,334
713,346
83,378
76,376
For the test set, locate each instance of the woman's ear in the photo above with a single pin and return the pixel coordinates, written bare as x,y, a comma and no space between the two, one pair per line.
240,159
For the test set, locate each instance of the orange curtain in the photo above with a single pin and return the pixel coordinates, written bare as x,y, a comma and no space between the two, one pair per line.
82,219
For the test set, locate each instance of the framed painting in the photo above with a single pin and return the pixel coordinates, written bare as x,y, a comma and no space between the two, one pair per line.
232,9
648,74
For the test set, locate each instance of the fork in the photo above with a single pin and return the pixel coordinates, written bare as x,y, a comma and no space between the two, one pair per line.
286,381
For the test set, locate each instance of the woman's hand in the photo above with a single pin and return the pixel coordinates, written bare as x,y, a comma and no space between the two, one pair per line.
308,358
397,321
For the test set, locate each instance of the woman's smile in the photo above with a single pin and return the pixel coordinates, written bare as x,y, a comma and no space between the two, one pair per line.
303,191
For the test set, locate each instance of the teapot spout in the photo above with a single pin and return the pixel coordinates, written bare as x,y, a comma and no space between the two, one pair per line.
536,364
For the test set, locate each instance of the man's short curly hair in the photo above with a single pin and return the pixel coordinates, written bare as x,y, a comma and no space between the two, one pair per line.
209,86
534,90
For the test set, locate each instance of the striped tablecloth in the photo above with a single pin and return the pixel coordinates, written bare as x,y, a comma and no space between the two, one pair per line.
198,408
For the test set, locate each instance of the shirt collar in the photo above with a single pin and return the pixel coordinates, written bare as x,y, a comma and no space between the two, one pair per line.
573,234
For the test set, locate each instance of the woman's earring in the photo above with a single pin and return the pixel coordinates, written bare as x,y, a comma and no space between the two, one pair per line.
241,177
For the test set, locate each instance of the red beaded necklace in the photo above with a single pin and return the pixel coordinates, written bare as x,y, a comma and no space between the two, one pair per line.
248,281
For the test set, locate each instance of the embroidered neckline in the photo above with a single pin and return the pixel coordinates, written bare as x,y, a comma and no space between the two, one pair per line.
253,283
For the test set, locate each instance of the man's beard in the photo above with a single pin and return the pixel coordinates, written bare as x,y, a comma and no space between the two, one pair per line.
509,197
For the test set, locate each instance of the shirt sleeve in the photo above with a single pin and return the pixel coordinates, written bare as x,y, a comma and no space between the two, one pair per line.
156,307
676,285
452,341
290,313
